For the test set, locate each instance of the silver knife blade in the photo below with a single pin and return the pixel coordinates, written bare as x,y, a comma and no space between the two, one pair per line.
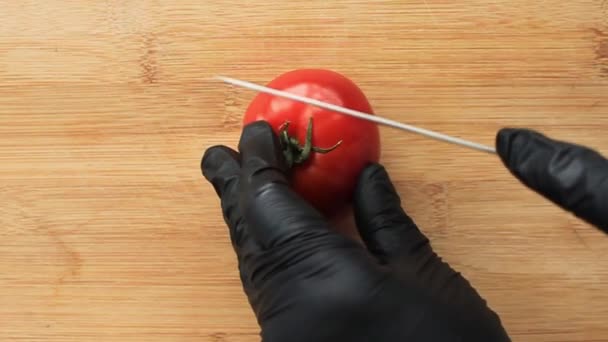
358,114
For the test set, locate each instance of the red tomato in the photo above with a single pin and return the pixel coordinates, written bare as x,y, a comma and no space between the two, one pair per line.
326,180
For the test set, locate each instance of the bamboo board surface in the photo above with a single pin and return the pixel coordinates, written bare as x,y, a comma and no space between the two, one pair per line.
108,231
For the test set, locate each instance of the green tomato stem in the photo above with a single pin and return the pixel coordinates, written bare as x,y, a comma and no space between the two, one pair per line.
296,154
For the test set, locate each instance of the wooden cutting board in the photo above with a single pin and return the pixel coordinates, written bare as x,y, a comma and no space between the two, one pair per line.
108,232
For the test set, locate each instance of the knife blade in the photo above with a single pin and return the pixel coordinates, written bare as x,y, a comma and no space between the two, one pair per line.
361,115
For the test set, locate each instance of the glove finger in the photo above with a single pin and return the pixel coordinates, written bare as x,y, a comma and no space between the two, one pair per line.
221,166
393,237
274,212
573,177
388,232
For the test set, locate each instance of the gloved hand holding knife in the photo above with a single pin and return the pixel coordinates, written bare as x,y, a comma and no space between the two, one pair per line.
307,283
572,176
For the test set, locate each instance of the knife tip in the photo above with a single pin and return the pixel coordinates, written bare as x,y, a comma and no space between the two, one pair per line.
221,78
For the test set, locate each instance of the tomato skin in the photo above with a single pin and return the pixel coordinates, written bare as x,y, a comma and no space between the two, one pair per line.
327,181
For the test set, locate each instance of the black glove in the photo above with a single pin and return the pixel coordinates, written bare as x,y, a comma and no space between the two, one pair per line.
305,282
572,176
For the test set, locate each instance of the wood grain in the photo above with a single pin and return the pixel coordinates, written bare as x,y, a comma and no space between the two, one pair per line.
109,233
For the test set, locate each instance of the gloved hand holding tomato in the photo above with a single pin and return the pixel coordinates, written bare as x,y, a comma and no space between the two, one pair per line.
306,282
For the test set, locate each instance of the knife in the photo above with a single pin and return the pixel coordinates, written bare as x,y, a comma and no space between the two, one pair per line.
358,114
